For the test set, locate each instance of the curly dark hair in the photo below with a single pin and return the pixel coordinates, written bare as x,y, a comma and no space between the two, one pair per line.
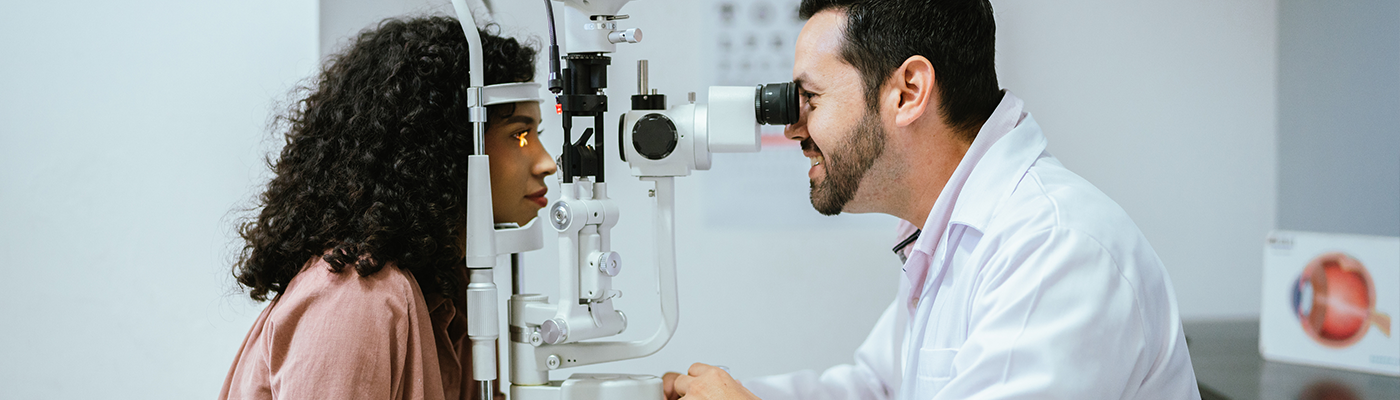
374,167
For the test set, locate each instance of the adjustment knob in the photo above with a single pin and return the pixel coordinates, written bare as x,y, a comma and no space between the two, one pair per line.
609,263
559,215
554,331
632,35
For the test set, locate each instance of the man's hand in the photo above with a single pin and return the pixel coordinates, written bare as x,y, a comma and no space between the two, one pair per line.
703,382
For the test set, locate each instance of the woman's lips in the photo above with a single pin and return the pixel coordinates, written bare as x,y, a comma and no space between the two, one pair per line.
538,197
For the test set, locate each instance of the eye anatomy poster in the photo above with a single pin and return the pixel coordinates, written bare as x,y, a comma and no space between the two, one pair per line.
1331,300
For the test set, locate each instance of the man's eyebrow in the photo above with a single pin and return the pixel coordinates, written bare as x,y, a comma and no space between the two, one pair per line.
802,83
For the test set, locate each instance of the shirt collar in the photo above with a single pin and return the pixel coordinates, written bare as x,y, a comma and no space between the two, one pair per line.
975,179
1003,119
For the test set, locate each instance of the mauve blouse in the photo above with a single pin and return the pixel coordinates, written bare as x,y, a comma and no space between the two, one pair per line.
341,336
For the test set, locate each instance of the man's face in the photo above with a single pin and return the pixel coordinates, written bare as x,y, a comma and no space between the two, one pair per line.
839,134
519,164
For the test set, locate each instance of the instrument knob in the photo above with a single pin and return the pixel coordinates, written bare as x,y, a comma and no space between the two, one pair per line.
554,331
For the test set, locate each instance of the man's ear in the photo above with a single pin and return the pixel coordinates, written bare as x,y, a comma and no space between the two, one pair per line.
913,90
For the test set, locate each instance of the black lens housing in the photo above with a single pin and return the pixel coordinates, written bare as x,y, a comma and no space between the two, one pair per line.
776,103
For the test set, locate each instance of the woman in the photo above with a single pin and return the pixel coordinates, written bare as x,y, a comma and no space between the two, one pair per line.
358,242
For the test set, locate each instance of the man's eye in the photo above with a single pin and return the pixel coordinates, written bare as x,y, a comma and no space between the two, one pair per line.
807,98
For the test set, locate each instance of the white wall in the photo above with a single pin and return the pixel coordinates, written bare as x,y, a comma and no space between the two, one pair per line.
341,20
128,131
1169,107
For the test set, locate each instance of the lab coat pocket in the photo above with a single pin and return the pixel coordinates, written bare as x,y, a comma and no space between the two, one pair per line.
935,369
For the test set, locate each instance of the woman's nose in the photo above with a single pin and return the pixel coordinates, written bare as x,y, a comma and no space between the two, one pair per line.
544,164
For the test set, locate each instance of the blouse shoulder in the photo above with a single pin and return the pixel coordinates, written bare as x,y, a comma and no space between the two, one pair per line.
340,335
317,289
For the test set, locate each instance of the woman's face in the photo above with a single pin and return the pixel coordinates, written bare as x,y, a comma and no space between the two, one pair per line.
519,164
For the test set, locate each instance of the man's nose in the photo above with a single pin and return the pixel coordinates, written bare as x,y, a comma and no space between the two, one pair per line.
796,131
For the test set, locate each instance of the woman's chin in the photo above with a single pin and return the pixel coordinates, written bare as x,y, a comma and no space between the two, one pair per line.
525,219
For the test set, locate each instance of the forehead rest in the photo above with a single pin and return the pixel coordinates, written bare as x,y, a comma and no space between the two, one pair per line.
510,93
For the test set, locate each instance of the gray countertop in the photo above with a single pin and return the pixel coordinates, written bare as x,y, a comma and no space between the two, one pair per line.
1225,355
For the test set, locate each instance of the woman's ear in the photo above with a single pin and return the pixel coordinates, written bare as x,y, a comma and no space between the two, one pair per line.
913,86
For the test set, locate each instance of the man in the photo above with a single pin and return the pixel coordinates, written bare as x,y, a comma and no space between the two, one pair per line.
1022,280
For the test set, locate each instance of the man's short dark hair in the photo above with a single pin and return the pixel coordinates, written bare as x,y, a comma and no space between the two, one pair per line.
957,36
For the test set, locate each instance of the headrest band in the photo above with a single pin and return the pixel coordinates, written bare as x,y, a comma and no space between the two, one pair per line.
510,93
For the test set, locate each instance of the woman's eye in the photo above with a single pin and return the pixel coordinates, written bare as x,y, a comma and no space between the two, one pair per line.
522,137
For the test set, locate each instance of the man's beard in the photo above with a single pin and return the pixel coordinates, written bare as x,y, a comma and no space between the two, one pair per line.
844,170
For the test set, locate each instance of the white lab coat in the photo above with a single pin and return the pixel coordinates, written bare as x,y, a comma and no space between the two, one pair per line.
1034,285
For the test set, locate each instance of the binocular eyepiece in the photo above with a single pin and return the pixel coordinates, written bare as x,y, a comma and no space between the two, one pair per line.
776,103
656,141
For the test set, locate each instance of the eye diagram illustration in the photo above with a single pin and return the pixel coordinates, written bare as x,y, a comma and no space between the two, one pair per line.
1335,301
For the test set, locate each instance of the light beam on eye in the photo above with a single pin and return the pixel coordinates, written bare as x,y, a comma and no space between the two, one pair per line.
523,141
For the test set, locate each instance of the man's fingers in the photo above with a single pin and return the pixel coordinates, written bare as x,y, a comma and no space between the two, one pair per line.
682,384
698,369
668,385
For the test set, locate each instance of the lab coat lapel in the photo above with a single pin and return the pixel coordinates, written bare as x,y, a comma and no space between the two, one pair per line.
917,268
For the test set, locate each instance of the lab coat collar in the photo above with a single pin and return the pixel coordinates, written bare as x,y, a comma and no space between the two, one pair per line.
985,184
998,174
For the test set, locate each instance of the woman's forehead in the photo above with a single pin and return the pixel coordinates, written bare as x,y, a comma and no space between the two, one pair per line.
527,108
525,112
